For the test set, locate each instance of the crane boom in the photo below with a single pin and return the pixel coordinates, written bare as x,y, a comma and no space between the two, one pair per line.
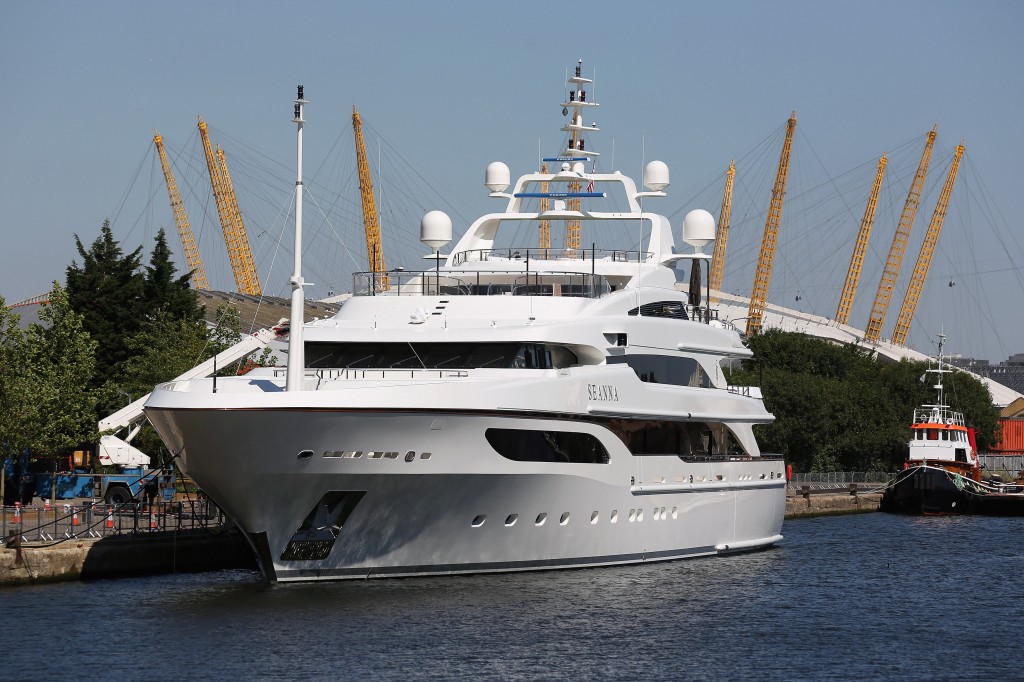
766,259
188,241
235,237
374,251
899,246
861,247
544,239
252,280
924,258
722,236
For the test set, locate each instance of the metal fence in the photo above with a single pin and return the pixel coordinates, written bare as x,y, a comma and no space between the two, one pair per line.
1011,465
97,519
840,477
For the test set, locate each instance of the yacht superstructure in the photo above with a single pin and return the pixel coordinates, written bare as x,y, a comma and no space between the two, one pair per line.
506,408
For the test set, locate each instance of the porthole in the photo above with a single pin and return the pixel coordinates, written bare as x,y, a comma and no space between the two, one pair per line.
425,455
410,456
632,515
615,516
639,515
593,518
675,513
305,454
479,520
564,519
656,514
375,455
391,455
511,519
331,453
541,518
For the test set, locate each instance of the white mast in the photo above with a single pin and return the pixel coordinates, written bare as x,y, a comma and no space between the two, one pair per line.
296,357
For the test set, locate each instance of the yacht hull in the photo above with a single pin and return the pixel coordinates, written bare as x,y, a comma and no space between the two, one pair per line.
428,495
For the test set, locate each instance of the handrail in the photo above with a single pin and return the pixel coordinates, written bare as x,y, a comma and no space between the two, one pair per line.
535,253
483,283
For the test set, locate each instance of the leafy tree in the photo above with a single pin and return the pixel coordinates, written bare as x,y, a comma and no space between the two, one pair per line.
48,405
165,293
838,408
108,290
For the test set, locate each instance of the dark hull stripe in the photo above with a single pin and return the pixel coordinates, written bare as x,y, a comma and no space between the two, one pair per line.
497,566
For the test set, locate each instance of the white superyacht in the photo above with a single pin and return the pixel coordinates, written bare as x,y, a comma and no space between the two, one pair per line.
511,407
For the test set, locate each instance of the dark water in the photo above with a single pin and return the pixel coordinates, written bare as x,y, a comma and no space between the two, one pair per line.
858,597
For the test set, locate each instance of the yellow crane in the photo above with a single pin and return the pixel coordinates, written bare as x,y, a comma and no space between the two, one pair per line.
722,236
544,240
235,238
861,247
924,258
374,251
759,296
188,242
899,246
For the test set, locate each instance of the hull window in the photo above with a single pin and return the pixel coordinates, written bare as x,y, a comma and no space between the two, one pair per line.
315,537
522,445
683,439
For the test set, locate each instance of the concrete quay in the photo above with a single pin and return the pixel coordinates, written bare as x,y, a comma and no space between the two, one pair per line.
806,501
22,563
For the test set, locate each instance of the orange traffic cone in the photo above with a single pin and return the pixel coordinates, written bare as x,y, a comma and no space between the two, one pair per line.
74,516
17,512
46,504
152,520
110,517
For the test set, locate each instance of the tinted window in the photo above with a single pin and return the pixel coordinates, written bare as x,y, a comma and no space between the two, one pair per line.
665,369
321,355
523,445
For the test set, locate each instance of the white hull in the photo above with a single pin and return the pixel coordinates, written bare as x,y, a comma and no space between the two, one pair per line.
453,512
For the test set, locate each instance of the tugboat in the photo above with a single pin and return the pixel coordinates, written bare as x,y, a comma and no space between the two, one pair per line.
942,473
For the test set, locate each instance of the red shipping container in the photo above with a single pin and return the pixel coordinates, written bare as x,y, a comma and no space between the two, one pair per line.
1012,438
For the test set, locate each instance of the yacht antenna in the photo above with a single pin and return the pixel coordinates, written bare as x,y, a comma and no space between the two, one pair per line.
296,357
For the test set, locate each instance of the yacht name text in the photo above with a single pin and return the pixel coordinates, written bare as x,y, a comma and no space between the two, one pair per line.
603,392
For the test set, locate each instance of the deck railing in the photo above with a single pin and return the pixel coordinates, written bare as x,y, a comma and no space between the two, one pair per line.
481,283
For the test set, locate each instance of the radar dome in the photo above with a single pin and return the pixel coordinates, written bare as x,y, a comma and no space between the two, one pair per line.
698,228
497,177
656,176
436,229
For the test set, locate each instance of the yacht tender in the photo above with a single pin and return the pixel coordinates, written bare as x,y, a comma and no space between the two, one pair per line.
508,408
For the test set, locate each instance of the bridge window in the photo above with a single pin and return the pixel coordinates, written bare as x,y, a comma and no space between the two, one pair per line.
665,369
324,355
672,309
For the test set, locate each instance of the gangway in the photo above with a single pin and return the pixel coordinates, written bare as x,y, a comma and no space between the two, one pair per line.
117,451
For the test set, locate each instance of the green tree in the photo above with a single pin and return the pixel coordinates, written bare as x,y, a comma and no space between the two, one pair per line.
838,408
163,291
49,407
108,291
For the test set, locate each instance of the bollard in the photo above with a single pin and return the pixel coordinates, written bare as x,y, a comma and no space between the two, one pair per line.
110,517
17,512
152,520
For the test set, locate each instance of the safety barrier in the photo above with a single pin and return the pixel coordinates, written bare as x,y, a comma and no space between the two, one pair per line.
98,519
840,477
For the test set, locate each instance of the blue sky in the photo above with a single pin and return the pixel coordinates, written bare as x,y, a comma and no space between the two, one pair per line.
456,85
